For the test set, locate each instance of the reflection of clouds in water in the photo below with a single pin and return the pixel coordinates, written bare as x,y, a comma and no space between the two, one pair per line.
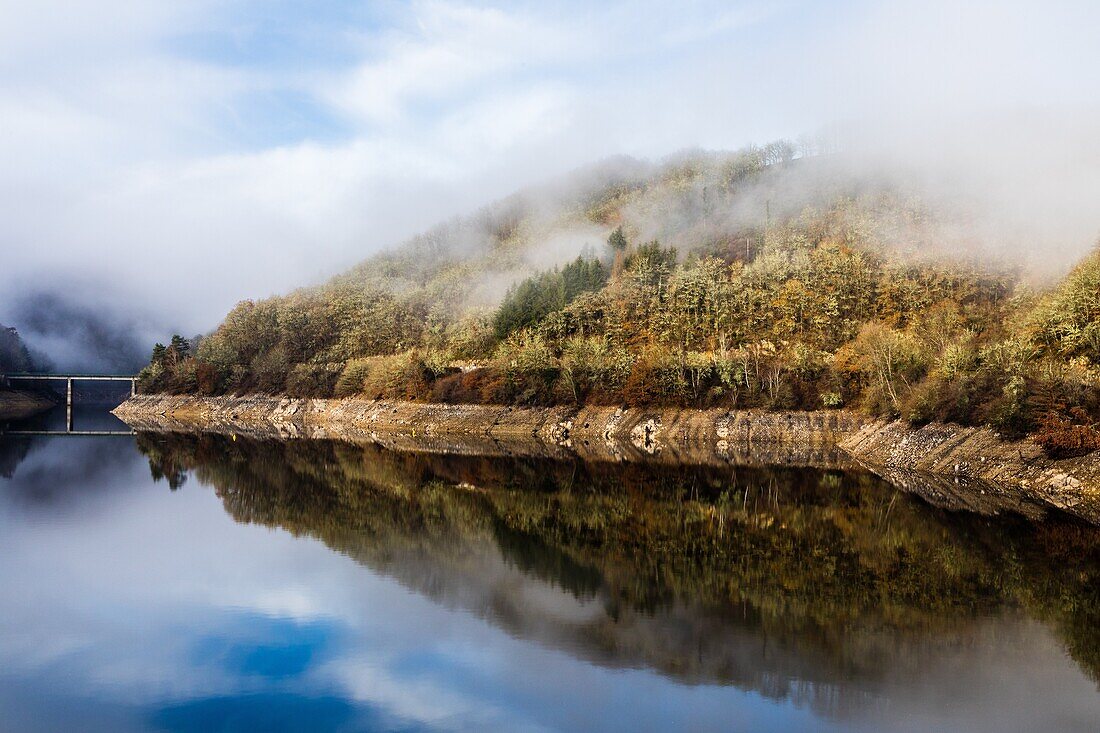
420,697
146,598
158,608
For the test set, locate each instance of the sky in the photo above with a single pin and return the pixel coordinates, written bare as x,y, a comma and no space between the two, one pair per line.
162,160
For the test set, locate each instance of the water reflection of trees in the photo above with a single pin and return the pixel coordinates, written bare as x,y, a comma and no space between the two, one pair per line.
13,451
788,581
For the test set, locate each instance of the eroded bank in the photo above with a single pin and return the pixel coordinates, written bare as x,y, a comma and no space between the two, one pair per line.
951,466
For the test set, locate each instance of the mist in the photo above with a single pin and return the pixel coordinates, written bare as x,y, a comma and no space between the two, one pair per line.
175,157
71,331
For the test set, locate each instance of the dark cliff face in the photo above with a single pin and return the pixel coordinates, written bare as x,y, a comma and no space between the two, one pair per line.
14,356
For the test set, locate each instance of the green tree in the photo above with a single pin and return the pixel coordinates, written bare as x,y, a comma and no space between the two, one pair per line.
179,348
582,275
617,240
618,244
538,296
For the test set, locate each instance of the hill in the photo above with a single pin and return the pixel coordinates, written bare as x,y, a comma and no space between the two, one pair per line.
753,279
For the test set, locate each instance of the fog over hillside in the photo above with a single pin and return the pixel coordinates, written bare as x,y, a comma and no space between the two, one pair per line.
163,157
73,332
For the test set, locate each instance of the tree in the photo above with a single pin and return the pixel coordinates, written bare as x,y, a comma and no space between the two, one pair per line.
655,261
179,348
529,302
1067,323
617,240
618,244
780,151
889,358
14,356
540,295
582,275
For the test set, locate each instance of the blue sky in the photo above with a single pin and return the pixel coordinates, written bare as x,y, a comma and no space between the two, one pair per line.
249,147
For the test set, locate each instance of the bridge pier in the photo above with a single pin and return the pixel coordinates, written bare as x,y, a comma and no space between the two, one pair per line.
69,405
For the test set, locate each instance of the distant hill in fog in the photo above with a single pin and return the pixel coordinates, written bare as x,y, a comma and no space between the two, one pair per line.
66,332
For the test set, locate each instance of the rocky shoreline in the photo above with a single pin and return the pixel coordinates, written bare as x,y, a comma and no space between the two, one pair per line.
951,466
17,404
592,433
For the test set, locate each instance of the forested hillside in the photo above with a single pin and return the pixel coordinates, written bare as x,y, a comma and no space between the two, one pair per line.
755,279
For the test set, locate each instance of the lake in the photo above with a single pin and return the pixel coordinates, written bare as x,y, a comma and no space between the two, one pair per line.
194,583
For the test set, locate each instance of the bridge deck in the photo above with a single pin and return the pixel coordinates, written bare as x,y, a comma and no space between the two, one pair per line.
103,377
68,432
7,379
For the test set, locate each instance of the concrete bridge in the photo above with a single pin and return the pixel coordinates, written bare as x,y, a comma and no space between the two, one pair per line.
16,378
68,432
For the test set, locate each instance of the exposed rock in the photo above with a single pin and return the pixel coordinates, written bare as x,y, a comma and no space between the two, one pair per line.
977,469
593,433
954,467
644,435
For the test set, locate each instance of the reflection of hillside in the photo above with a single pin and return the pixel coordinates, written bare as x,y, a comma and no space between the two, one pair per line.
13,449
809,584
49,471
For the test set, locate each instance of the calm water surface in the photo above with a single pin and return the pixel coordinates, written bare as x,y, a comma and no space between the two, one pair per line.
180,583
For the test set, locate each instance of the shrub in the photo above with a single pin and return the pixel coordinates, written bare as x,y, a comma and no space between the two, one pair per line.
353,377
654,379
312,380
932,399
529,370
1063,437
1068,321
474,386
593,370
1008,412
403,376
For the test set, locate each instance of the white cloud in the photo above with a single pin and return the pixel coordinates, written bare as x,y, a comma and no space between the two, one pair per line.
454,50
